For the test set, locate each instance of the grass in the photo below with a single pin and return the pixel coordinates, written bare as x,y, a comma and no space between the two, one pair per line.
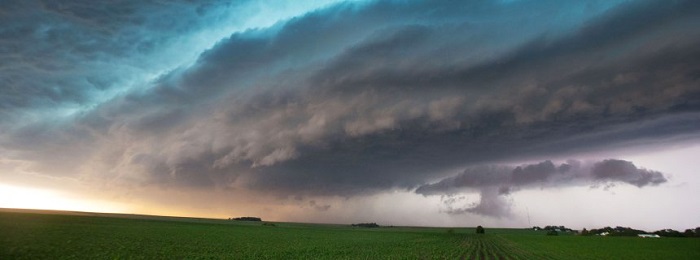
33,236
600,247
51,236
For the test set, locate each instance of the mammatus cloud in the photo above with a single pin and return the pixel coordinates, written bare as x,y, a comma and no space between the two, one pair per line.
362,98
494,182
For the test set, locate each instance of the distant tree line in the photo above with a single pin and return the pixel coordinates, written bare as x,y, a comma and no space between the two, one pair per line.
246,219
626,231
367,225
674,233
616,231
554,228
619,231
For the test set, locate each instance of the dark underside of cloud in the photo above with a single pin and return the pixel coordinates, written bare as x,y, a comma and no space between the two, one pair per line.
64,53
496,182
360,98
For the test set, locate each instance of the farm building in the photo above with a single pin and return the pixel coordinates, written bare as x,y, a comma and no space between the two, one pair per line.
648,235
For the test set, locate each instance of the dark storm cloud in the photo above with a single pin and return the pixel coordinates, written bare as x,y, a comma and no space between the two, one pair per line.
365,113
624,171
360,98
495,182
59,56
56,54
545,174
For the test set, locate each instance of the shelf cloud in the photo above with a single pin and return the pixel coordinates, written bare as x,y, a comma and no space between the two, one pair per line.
354,98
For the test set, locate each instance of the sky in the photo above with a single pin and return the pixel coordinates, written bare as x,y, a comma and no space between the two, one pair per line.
425,113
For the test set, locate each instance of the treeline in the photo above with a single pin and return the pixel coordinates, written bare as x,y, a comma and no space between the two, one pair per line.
246,219
616,231
620,231
626,231
367,225
554,228
674,233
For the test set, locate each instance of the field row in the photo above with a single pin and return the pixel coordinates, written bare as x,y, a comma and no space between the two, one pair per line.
494,247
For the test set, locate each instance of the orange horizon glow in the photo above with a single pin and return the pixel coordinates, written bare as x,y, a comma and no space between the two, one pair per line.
33,198
20,197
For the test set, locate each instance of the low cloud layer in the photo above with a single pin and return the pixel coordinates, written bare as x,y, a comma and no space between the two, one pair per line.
495,182
347,100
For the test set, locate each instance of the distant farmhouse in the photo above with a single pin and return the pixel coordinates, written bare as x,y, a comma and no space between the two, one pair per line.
648,235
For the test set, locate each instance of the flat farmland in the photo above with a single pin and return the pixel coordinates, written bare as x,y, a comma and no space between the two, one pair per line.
56,236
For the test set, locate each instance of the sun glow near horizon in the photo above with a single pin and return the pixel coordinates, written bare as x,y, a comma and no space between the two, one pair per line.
21,197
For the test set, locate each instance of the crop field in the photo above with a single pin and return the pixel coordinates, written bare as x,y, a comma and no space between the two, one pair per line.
52,236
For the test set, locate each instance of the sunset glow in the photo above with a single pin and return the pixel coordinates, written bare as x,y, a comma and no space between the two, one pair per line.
33,198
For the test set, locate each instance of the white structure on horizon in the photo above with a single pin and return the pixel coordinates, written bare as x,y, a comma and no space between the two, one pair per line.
648,235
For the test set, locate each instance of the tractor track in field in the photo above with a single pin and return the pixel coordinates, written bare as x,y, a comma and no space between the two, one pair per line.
494,247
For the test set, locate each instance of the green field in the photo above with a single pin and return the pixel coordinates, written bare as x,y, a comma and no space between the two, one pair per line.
51,236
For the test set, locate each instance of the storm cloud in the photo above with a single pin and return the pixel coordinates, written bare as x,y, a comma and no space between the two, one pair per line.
494,182
353,98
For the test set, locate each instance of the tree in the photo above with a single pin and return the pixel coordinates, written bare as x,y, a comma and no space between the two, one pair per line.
247,219
367,225
480,230
584,232
689,233
669,233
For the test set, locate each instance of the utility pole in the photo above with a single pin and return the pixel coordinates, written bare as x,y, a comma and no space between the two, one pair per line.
528,216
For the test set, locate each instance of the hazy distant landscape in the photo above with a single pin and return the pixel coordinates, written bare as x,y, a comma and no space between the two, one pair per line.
62,235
